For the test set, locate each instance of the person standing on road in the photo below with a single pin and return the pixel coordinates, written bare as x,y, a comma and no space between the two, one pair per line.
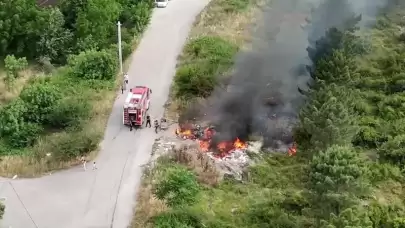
84,163
156,125
131,125
94,165
126,78
148,121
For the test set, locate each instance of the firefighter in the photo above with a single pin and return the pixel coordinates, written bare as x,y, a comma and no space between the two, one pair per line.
148,121
131,123
156,124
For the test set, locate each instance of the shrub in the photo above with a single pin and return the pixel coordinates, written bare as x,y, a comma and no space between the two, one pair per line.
178,187
194,80
205,57
11,117
40,99
178,219
68,146
13,66
140,15
233,6
26,135
126,49
211,47
92,64
337,169
393,150
69,113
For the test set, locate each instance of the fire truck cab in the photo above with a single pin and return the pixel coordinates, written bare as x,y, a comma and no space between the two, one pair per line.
136,105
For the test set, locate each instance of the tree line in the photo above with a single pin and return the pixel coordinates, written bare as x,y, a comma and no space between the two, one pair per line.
79,38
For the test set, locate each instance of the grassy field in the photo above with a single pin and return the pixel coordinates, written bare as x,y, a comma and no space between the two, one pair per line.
99,97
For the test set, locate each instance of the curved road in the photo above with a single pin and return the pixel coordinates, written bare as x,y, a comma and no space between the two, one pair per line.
105,198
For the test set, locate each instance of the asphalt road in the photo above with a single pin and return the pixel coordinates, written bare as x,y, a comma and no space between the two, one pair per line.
105,197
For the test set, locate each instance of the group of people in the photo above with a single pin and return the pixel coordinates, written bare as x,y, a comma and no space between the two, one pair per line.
84,162
148,123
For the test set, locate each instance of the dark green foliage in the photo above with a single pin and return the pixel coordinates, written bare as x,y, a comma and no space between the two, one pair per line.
327,120
40,99
20,27
337,169
98,18
177,219
234,6
194,80
14,126
270,215
73,145
178,187
69,113
350,217
206,57
27,135
11,117
71,27
55,41
93,65
393,150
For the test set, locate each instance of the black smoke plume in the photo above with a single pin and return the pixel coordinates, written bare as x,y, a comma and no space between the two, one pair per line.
262,96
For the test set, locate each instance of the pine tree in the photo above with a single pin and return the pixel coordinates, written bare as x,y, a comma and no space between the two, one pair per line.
327,119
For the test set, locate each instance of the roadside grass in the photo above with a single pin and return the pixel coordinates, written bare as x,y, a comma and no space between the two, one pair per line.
38,159
219,31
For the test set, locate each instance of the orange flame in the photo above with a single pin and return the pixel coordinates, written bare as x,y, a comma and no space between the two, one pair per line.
238,144
204,145
292,150
185,133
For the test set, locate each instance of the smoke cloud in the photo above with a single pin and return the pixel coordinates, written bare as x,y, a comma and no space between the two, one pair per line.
261,96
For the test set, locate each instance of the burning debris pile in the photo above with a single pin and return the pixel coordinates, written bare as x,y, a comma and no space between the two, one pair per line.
216,148
207,141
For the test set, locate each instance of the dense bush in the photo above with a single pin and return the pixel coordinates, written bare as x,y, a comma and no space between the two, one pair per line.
69,113
92,64
27,135
336,169
65,147
40,99
178,187
178,219
11,117
205,58
13,66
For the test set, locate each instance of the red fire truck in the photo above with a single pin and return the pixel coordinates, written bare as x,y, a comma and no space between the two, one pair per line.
136,105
